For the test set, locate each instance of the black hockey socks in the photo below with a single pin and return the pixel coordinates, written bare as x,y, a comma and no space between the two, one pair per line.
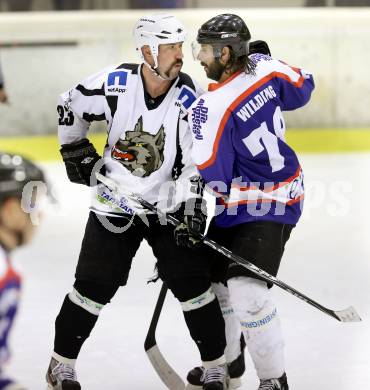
202,315
207,329
72,327
78,315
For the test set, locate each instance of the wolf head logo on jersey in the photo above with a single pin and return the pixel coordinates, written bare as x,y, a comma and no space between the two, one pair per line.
140,152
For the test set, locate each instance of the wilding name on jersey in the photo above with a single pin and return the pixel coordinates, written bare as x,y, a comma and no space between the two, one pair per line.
256,103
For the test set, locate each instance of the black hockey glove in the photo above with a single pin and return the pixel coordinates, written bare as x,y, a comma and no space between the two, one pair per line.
259,47
187,234
79,159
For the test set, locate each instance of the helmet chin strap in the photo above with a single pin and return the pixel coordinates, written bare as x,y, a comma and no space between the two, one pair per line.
155,72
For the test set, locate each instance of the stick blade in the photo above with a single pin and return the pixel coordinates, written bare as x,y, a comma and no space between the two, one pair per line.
348,315
169,377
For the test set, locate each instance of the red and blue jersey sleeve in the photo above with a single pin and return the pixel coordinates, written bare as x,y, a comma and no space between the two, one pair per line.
294,86
9,298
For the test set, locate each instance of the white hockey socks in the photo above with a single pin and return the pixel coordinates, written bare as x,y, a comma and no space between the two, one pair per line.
214,363
253,305
199,301
64,360
232,323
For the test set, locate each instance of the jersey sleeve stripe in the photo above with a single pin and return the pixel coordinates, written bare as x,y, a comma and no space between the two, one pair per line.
237,101
228,205
112,103
93,117
296,200
286,181
273,188
90,92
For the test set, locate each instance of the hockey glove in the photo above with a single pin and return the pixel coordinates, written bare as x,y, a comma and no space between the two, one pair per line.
80,159
259,47
187,234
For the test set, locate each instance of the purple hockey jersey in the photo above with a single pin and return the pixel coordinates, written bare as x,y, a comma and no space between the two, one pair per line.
239,143
9,297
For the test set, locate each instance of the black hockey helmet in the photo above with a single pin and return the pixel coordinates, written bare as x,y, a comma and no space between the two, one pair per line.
225,30
15,172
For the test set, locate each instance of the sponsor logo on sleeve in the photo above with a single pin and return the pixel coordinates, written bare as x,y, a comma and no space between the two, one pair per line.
116,82
186,97
199,116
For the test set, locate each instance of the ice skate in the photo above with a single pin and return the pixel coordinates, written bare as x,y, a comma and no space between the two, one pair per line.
274,384
194,378
215,378
235,369
61,376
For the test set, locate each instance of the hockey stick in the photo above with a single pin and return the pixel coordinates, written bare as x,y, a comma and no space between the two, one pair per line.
347,315
164,370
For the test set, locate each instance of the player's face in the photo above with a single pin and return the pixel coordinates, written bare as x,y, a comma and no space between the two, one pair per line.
170,60
204,53
18,222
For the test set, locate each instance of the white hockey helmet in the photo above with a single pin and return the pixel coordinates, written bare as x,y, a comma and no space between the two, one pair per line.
155,30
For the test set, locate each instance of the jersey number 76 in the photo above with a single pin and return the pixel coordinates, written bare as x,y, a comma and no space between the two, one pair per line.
262,139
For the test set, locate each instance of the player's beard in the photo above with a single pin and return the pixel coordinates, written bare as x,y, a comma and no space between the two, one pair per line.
214,70
171,73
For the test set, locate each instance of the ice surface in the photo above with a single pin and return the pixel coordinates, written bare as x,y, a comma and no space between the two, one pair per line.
327,258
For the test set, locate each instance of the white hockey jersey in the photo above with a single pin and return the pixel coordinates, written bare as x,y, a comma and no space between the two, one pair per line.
148,140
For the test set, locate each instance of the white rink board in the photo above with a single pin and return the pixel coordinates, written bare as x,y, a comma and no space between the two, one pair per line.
326,258
334,44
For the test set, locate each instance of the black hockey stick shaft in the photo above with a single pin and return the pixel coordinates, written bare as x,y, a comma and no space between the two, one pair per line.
268,278
150,340
347,315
